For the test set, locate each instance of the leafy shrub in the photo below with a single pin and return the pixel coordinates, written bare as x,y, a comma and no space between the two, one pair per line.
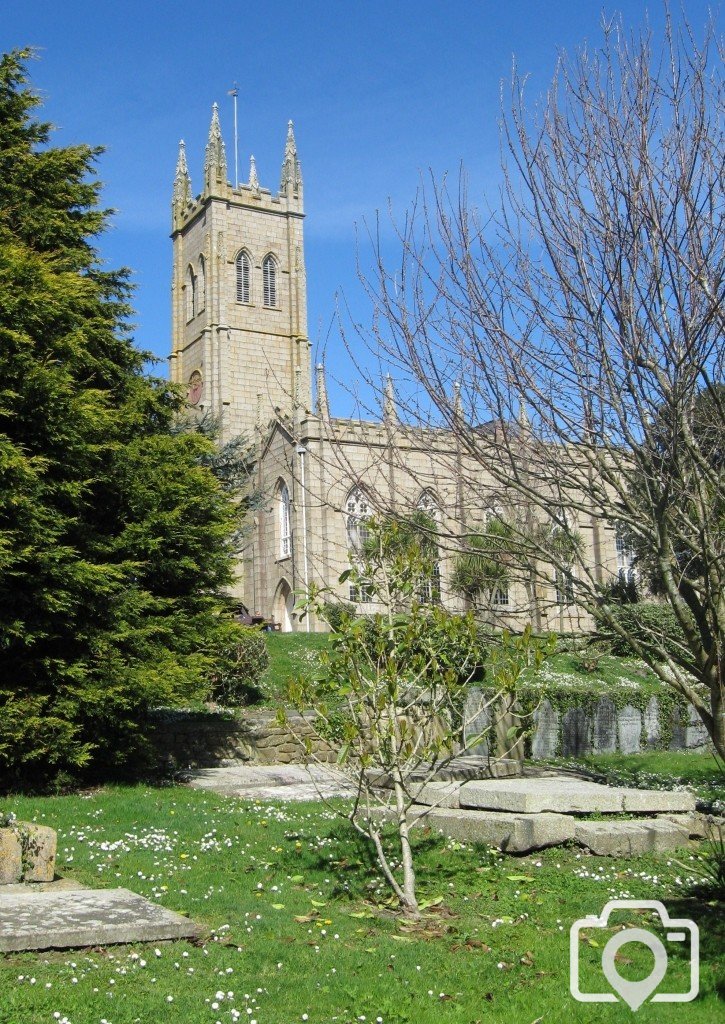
335,613
239,659
653,625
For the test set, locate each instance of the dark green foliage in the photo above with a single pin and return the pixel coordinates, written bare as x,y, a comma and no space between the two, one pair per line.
240,658
114,531
654,625
335,613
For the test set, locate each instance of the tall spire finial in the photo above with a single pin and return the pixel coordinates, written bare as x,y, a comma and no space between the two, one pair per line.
291,170
253,179
182,181
215,161
323,407
390,412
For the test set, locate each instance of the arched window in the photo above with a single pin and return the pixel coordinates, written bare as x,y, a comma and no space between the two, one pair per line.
269,277
201,285
626,556
244,273
429,591
285,528
357,512
190,293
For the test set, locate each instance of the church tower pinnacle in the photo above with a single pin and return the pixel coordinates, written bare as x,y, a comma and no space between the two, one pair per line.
182,186
215,161
291,183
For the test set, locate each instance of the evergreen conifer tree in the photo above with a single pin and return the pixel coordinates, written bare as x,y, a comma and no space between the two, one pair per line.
115,535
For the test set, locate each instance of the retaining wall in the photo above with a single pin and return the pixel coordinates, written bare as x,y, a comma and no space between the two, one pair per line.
203,739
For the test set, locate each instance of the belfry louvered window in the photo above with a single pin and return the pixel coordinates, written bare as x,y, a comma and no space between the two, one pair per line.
243,277
190,293
269,275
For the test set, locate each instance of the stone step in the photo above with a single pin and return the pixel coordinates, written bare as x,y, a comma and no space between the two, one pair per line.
629,838
569,796
513,833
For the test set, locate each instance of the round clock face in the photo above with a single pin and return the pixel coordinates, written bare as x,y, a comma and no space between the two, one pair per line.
196,385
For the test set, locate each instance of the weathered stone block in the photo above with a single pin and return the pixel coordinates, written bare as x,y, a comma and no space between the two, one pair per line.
11,858
39,848
650,801
630,838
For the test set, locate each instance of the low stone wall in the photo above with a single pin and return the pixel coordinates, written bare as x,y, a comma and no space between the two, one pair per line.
601,726
189,739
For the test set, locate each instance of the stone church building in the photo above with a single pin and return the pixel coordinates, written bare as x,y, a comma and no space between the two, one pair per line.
240,346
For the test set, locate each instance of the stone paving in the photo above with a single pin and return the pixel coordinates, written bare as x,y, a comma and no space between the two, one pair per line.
286,782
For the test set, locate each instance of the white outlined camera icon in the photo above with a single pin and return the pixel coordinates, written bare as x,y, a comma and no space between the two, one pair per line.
635,993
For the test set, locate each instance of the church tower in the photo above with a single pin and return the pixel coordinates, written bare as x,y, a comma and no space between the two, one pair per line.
239,305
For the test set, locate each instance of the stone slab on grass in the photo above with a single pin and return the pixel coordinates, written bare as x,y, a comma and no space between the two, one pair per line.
630,838
656,801
565,795
514,833
85,917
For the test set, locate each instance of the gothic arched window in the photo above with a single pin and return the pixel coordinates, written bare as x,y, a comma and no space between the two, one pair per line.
269,277
429,590
201,285
357,510
243,266
285,527
190,293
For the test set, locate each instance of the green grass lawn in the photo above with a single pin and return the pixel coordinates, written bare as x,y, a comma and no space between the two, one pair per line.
296,930
290,655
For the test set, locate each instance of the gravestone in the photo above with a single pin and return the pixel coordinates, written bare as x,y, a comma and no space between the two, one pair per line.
477,719
652,730
545,738
605,726
629,728
695,732
575,732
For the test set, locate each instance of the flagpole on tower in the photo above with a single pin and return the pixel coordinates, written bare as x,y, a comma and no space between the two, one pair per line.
234,93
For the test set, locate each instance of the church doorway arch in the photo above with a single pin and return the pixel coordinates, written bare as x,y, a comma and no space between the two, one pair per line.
282,609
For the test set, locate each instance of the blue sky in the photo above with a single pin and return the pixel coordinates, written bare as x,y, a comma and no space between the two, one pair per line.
379,92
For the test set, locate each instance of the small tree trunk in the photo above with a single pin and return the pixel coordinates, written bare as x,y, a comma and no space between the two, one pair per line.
410,902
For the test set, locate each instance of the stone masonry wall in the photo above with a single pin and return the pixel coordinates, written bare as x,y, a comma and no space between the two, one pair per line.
188,739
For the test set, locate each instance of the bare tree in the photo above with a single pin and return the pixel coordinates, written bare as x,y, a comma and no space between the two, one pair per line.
568,339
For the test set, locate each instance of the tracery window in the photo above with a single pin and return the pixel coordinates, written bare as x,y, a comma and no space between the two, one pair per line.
201,285
269,278
357,512
429,591
190,293
243,267
285,528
